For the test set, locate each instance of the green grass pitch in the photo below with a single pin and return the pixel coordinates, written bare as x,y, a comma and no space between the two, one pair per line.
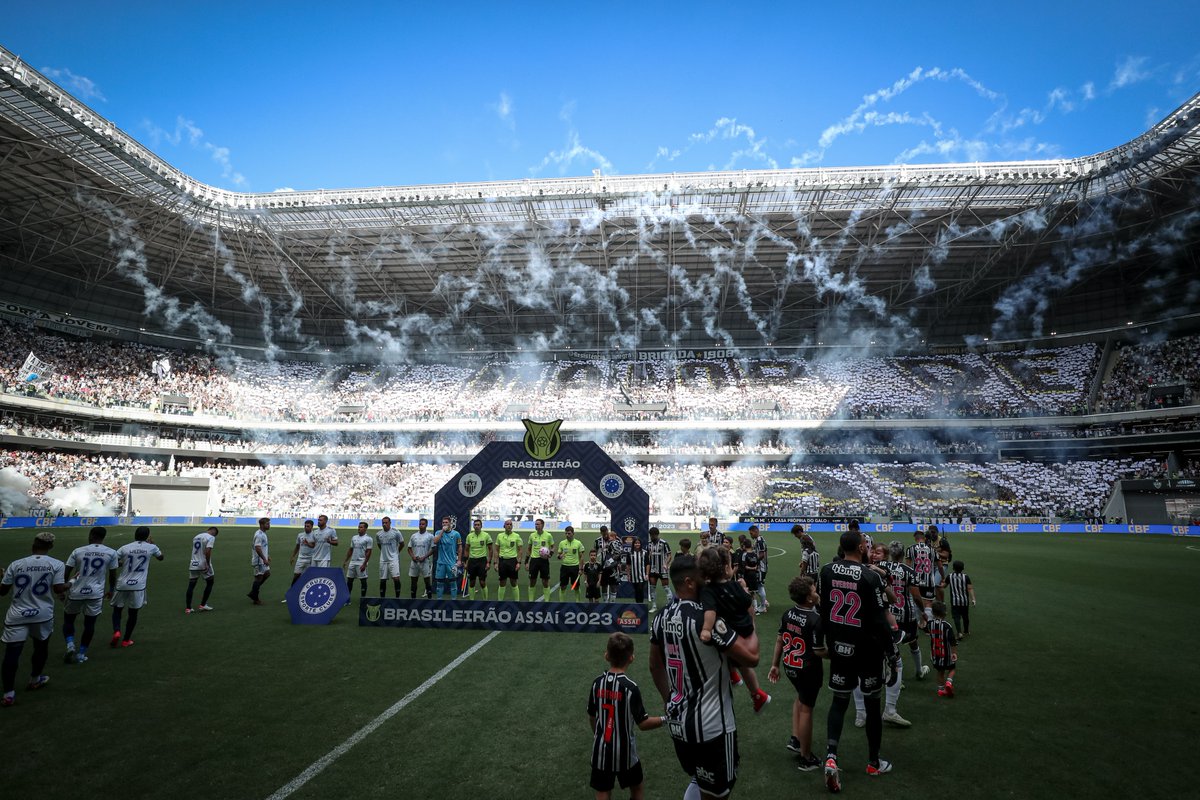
1077,681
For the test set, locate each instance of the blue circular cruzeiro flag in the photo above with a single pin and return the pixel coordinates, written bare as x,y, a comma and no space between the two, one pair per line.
318,596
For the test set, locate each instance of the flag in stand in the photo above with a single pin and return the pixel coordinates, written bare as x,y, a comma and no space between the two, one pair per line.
34,370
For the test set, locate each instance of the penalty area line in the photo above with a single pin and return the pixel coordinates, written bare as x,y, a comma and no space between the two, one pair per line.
333,755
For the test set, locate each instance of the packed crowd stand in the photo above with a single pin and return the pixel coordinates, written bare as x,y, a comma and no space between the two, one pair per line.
1008,384
92,484
439,445
1140,368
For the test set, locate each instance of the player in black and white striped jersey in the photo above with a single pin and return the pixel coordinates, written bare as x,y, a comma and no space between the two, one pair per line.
658,558
614,707
907,610
760,548
920,557
810,562
693,679
962,595
635,570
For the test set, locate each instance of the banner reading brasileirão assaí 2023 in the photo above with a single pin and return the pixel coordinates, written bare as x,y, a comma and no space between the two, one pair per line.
503,615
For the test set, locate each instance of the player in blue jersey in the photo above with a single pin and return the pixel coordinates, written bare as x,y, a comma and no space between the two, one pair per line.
448,542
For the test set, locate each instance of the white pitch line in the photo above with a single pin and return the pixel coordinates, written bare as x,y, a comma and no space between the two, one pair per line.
333,755
1197,549
782,552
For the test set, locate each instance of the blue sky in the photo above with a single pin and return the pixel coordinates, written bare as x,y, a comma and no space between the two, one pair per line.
267,95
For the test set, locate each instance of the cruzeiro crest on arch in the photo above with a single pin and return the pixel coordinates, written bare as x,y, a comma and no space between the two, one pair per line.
543,455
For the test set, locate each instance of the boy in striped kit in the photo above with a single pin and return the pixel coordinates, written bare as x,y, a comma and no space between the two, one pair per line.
943,645
961,593
614,707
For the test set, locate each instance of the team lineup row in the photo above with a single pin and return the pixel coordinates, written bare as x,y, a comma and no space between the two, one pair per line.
450,564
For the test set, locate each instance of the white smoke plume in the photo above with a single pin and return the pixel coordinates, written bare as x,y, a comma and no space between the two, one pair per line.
84,499
14,493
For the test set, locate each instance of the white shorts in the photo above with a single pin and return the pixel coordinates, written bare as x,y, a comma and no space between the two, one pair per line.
322,562
201,573
130,598
91,607
358,570
390,568
302,564
39,631
261,569
422,569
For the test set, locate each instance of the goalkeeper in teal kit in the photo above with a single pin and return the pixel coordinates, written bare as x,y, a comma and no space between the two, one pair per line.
448,542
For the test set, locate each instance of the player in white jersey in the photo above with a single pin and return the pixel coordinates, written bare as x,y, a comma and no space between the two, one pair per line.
134,559
324,539
201,567
357,559
390,541
303,552
31,612
95,562
419,546
260,559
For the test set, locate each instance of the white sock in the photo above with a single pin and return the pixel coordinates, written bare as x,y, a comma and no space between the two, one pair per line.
891,694
860,704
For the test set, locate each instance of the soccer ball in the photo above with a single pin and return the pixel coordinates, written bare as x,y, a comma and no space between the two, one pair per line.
544,552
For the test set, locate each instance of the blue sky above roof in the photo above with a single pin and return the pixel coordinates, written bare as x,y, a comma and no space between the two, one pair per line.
257,97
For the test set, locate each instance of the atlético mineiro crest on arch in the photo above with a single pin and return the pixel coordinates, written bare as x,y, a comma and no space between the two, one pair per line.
542,440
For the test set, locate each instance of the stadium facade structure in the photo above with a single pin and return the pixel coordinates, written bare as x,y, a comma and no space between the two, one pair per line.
92,224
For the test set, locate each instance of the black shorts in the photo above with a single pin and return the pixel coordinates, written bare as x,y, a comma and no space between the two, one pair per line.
603,781
507,569
662,576
752,581
610,580
713,763
807,682
477,567
567,576
539,568
593,592
908,631
854,665
927,593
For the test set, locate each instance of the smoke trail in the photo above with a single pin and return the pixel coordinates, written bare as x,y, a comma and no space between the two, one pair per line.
132,264
1085,247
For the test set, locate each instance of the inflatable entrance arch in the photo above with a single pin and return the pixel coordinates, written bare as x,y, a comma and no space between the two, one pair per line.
544,456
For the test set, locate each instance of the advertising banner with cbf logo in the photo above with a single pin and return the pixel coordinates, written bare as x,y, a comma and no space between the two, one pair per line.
504,615
318,596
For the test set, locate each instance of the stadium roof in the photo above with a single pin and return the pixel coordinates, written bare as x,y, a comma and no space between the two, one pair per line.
96,225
